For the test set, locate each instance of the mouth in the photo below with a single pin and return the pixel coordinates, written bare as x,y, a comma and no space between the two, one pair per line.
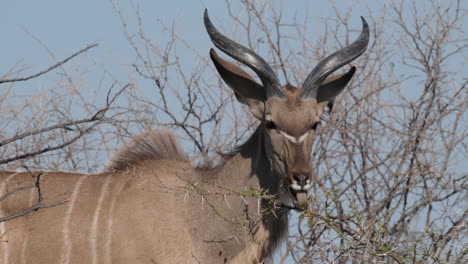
301,199
299,193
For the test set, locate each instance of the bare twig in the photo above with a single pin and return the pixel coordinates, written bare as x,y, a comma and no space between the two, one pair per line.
58,64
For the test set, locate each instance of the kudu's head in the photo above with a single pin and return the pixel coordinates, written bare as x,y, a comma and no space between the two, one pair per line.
289,115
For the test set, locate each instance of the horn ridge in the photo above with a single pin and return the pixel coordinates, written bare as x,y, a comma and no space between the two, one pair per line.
335,61
247,57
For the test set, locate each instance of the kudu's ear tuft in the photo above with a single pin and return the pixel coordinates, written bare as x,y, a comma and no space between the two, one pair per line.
247,90
332,87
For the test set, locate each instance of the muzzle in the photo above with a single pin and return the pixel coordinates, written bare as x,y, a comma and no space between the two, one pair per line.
300,184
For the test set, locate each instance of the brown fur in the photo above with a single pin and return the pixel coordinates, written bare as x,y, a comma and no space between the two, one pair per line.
291,90
150,206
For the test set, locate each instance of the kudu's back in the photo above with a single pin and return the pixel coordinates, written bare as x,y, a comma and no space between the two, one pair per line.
136,215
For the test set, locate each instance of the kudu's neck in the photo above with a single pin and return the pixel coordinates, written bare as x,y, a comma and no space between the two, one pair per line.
250,166
250,169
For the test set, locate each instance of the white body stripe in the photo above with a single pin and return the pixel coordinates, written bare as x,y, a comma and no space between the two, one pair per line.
108,246
4,245
24,247
94,226
67,242
32,198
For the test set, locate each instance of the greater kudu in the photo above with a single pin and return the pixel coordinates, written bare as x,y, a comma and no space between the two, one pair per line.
152,206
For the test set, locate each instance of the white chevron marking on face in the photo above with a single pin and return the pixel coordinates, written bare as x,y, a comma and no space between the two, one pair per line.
303,137
293,139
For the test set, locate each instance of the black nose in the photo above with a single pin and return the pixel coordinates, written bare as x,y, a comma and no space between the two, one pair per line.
301,178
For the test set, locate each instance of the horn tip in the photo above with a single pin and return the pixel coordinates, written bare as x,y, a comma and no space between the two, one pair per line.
213,52
214,57
365,25
208,25
351,72
206,19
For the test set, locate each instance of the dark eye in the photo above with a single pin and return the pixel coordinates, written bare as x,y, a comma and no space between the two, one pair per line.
270,125
314,126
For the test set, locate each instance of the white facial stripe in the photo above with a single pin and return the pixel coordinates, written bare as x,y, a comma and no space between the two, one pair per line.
289,137
303,137
293,139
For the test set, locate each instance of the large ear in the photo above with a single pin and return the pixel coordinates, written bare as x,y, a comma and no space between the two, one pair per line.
247,90
333,86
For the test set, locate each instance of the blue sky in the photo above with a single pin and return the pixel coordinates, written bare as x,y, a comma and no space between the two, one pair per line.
67,26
